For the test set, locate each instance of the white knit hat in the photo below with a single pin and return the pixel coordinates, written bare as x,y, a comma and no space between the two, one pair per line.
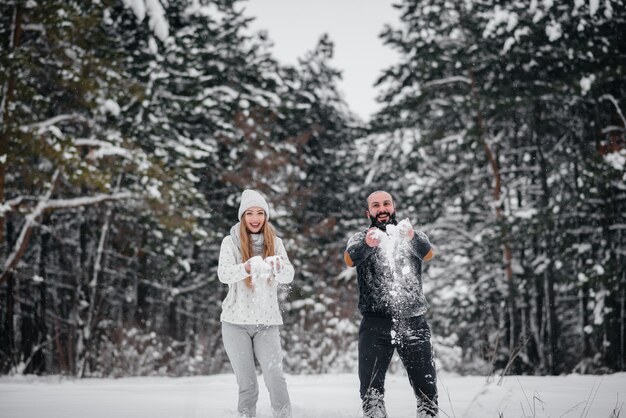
250,199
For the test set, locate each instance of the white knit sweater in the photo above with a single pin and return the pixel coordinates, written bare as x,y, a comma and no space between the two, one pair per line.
244,305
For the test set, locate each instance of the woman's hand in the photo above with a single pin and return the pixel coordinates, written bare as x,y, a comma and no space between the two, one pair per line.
276,263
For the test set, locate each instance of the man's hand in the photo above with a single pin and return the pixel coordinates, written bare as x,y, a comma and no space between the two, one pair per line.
372,238
405,230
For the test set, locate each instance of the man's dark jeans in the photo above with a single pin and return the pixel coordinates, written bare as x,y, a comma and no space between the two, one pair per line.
378,338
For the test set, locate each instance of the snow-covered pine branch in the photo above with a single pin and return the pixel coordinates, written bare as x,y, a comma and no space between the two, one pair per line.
51,121
87,201
613,100
448,80
156,14
13,204
191,288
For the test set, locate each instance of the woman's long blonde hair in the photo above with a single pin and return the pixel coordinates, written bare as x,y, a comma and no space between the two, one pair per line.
269,234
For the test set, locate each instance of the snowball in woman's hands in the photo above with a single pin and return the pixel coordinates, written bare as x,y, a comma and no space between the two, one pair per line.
259,269
255,260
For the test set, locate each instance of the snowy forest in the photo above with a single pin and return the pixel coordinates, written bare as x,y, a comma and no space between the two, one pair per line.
129,129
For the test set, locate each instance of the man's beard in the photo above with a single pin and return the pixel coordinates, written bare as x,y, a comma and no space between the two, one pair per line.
382,225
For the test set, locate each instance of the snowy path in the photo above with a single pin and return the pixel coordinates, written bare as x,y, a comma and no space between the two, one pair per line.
325,396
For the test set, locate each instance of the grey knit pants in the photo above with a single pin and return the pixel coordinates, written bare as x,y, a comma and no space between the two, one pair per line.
245,342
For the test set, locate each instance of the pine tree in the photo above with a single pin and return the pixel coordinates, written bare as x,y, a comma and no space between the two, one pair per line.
53,111
315,123
489,91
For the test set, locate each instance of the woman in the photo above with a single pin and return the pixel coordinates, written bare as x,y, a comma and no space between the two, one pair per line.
252,262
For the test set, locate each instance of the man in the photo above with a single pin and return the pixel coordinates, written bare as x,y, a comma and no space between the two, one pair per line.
388,257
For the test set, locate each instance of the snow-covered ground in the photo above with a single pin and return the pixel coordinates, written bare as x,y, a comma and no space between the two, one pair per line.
318,396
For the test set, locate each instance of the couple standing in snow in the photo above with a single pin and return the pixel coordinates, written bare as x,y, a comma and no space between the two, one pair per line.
388,257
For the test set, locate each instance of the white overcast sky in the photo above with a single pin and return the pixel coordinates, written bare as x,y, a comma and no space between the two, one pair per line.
295,26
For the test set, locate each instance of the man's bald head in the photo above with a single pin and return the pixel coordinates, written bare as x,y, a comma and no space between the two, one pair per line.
378,196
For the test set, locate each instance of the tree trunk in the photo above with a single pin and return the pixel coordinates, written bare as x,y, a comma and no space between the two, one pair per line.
583,290
41,317
76,341
13,323
87,330
621,261
9,322
583,302
7,97
18,354
551,324
141,298
173,327
536,323
81,298
551,321
513,331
